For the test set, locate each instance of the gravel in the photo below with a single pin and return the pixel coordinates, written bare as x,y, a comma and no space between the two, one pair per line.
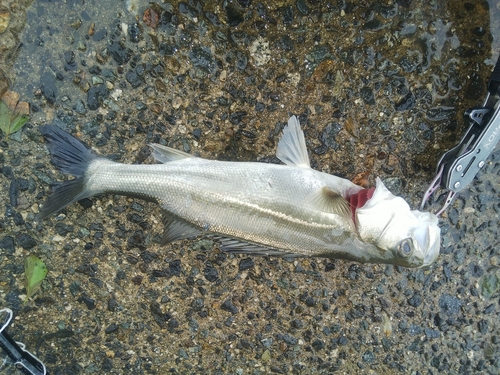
375,94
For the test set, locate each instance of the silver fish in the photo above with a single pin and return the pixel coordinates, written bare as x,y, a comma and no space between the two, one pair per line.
255,208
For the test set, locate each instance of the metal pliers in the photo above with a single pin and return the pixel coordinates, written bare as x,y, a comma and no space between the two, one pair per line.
458,166
24,361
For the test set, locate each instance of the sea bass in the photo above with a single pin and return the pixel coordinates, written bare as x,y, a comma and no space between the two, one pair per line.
255,208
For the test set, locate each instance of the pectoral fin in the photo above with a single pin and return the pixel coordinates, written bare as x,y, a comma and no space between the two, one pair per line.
292,148
164,154
331,201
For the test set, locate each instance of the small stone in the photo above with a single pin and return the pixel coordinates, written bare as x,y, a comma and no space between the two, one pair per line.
135,32
96,95
302,7
48,87
7,243
120,53
406,103
367,95
198,304
440,113
175,267
63,229
113,327
246,264
329,135
210,273
318,345
26,241
132,78
79,107
228,306
233,16
289,339
89,302
97,80
431,333
415,300
368,357
482,326
202,58
449,304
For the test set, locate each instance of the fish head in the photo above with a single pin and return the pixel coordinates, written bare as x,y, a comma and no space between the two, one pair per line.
402,237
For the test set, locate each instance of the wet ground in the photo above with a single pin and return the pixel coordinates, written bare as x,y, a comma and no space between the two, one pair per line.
380,89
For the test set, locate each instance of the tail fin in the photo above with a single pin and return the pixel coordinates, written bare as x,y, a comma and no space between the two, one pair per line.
71,156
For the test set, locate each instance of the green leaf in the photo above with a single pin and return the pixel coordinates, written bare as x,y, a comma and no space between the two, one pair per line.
11,120
17,123
4,117
35,272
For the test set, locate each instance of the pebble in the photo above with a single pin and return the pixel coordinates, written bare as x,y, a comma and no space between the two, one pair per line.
48,87
201,57
120,53
96,95
233,16
228,306
406,103
329,135
26,241
79,107
135,32
449,304
7,243
246,264
440,113
210,273
89,302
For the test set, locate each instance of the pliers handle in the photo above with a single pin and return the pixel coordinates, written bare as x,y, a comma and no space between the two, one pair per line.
24,361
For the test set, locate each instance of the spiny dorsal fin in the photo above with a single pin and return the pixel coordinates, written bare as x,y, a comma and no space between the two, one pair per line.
292,148
164,154
328,200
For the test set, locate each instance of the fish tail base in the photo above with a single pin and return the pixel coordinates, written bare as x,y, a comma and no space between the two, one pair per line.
70,156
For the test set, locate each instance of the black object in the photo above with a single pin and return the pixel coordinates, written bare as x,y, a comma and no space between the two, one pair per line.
24,361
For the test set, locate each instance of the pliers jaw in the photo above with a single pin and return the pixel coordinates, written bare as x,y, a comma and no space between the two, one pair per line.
458,166
435,184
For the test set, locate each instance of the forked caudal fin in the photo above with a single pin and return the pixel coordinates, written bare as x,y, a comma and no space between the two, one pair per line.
70,156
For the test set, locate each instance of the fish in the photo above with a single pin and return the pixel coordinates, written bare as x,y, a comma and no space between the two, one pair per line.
254,208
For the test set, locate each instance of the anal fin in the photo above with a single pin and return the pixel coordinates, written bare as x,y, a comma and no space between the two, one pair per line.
176,228
236,246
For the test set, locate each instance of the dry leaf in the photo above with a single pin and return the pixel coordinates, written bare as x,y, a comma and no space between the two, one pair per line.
4,20
361,179
352,127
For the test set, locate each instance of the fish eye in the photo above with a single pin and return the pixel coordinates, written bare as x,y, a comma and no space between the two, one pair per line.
405,248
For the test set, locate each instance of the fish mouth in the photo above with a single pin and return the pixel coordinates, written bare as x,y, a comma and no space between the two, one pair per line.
428,236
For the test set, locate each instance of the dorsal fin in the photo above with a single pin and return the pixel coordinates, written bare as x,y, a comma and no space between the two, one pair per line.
164,154
292,148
